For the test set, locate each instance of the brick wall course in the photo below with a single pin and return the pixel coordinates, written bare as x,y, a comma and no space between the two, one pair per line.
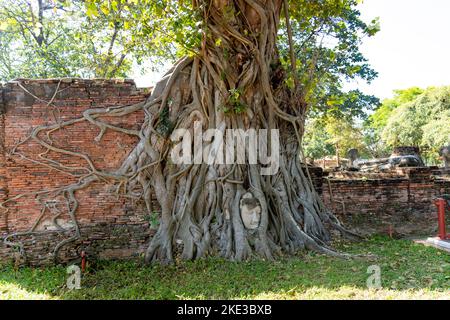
101,212
400,200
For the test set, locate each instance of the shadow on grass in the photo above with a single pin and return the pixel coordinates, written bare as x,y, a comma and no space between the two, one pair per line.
407,270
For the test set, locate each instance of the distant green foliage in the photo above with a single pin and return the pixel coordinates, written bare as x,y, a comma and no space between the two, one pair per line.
317,141
379,118
422,122
413,117
436,133
375,123
345,135
330,136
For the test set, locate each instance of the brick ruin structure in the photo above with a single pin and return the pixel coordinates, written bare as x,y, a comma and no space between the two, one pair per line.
113,226
399,200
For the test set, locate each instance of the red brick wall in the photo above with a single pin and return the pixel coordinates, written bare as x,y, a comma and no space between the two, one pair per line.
98,204
3,172
374,202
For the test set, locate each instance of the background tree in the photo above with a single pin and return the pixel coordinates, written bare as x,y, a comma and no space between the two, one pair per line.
333,136
326,42
376,122
380,117
49,38
317,141
344,135
33,40
418,118
327,36
436,134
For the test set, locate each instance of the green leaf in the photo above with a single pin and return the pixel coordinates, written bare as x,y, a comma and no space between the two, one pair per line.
114,5
104,9
91,9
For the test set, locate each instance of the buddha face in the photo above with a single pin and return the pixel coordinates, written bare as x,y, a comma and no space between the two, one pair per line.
250,211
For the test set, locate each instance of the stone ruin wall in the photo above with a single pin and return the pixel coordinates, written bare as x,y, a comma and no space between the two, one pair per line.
398,201
116,227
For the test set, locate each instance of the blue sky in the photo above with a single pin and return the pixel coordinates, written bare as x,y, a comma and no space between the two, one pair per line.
412,48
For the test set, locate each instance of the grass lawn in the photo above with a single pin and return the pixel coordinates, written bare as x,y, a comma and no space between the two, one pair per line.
408,271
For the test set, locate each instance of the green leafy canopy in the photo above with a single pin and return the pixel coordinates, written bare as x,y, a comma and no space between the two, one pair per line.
415,117
107,38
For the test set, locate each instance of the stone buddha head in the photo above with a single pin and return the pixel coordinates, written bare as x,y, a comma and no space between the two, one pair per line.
250,211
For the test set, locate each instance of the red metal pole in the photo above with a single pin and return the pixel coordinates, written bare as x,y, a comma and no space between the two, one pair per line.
83,261
441,204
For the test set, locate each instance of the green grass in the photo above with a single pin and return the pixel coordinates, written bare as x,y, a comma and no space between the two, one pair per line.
408,271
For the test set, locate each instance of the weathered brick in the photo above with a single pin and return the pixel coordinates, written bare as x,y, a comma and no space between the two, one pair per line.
401,199
24,112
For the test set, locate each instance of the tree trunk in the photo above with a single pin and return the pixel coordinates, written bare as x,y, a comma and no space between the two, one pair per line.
230,210
203,206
